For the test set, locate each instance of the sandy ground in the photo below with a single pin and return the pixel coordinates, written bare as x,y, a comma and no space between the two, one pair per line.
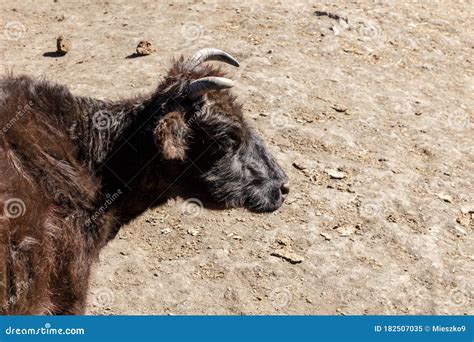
368,105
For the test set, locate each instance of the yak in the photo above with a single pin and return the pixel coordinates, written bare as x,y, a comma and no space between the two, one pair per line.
76,169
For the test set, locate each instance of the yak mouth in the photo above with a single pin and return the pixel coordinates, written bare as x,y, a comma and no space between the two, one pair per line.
254,199
258,196
265,208
265,201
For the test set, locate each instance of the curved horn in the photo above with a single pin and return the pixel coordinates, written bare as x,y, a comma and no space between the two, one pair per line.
210,54
206,84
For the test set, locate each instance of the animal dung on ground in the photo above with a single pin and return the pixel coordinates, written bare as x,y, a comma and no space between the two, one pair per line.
144,48
62,46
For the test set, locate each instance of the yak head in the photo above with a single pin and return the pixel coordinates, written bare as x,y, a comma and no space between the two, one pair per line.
202,127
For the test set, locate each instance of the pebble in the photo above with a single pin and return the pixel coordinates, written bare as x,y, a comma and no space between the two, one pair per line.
283,240
335,174
62,46
326,236
193,232
144,48
445,198
339,109
460,232
463,221
166,231
289,255
299,166
345,229
467,209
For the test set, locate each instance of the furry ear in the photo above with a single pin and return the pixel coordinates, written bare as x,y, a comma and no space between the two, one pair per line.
171,136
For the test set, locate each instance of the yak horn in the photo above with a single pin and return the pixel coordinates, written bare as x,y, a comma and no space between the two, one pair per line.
210,54
203,85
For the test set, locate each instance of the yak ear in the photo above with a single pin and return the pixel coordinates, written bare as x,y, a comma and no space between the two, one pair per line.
171,135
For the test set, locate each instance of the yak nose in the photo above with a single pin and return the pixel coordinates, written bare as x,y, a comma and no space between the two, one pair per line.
285,189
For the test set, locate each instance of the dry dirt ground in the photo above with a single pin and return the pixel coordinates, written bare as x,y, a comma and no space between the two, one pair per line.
368,105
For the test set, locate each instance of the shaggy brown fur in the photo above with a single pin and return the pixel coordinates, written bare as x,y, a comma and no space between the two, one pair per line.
75,169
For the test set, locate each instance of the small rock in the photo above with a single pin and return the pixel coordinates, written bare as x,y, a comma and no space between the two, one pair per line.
335,174
335,30
345,229
299,166
62,46
166,231
283,240
467,209
460,232
326,236
339,109
193,232
144,48
463,221
445,198
288,254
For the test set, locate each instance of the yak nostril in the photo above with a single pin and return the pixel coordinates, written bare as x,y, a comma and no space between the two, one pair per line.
285,189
